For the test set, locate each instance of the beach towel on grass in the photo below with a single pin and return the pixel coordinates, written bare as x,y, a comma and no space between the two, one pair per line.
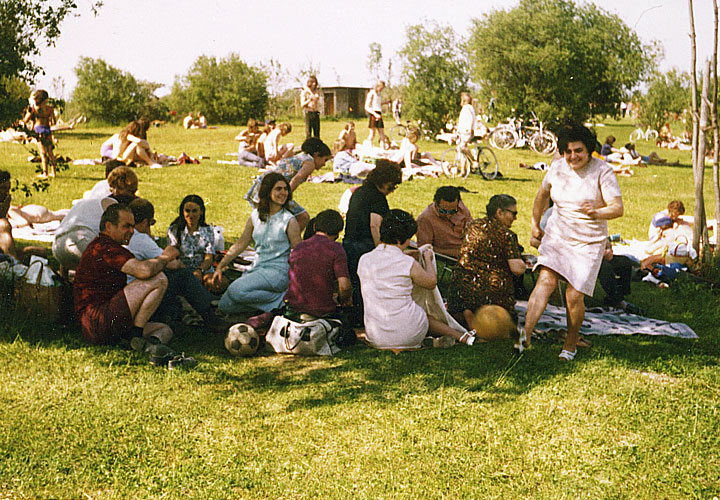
608,323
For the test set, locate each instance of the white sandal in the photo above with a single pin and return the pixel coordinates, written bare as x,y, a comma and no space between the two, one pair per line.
522,338
566,355
468,337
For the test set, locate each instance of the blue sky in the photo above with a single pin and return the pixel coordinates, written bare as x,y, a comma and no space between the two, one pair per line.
158,39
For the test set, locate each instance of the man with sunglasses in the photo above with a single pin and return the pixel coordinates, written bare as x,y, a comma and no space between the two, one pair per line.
442,223
181,280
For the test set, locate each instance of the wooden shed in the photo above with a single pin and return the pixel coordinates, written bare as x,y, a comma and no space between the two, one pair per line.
349,101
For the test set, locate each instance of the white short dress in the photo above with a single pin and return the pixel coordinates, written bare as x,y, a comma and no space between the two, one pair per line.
573,243
392,319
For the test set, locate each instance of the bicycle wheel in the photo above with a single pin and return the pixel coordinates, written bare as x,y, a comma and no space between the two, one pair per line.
398,132
636,135
450,161
651,135
503,137
487,162
468,160
543,142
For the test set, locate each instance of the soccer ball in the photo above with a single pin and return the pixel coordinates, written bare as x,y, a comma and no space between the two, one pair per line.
493,322
242,340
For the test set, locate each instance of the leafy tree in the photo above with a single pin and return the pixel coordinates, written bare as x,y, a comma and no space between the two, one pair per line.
109,94
668,94
434,73
25,27
226,90
555,58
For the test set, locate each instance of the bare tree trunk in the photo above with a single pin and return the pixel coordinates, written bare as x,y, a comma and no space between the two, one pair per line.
699,225
693,85
716,132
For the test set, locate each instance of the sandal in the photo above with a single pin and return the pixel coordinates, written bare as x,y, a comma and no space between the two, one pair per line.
468,337
522,338
566,355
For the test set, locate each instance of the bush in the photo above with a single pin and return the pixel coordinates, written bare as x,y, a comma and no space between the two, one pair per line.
226,90
108,94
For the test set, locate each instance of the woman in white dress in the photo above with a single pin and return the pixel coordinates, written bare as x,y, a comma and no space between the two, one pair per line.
586,194
387,275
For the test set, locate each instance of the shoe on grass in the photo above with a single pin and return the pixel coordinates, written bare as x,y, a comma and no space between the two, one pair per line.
150,345
181,361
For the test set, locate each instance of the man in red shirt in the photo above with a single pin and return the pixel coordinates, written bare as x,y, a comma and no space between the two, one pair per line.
107,307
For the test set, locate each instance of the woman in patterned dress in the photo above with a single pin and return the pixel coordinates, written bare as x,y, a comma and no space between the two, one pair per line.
489,258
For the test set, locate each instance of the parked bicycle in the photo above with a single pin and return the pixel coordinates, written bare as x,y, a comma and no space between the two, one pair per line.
649,134
399,131
473,158
514,134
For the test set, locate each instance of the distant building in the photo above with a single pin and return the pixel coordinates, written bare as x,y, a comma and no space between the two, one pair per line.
342,101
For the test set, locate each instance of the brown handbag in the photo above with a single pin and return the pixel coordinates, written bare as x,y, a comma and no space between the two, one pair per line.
44,303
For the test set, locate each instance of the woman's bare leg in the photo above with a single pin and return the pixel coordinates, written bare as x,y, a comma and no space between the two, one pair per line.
438,328
575,315
546,284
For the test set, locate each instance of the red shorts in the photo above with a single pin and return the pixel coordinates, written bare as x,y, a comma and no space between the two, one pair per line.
376,122
107,323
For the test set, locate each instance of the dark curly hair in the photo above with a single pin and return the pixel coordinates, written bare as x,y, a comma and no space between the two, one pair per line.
385,171
397,226
266,187
576,132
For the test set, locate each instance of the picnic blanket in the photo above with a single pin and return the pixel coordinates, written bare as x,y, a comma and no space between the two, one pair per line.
37,232
608,323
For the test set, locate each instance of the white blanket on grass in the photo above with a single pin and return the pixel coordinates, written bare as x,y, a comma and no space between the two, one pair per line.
610,323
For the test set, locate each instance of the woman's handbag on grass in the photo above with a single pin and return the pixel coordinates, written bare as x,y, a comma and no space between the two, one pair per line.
680,252
316,337
42,294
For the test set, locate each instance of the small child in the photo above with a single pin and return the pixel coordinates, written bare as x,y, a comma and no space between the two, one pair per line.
42,115
347,140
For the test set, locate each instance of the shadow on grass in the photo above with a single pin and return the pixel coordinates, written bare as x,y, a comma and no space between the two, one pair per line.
488,372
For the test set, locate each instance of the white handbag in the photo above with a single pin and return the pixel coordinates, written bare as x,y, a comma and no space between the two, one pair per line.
310,338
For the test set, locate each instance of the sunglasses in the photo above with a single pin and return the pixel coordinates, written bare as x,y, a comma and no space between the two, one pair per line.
513,212
451,211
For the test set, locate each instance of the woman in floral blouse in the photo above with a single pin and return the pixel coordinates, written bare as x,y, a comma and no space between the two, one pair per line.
195,239
489,257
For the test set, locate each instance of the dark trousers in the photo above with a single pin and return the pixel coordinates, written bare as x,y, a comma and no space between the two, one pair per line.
312,124
182,282
354,250
614,277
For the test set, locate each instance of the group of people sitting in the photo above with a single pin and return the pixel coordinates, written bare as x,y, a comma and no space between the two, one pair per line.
131,147
127,287
191,121
259,148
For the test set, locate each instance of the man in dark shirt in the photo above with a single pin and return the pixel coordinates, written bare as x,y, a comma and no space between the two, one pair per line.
107,307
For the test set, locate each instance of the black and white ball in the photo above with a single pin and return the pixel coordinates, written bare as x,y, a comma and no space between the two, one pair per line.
242,340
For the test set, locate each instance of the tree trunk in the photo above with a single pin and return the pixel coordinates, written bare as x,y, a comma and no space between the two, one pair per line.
699,226
716,133
693,85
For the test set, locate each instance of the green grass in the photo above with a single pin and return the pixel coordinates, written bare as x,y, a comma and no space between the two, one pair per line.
633,417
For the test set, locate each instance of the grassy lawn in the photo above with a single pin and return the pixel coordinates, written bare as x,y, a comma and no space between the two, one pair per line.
633,417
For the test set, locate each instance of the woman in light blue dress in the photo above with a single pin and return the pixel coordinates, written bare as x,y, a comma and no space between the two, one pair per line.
275,232
296,170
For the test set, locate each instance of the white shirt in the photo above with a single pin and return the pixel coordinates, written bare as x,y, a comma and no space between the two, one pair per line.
373,103
466,122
